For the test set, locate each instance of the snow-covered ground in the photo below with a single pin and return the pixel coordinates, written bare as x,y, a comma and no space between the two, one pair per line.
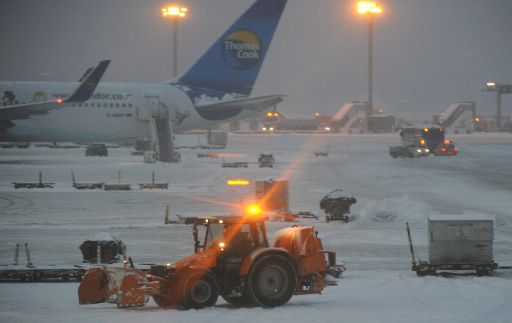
378,285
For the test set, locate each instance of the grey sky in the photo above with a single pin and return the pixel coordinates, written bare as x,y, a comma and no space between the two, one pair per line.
428,53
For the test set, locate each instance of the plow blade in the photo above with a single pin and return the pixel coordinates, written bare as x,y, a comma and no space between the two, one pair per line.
126,287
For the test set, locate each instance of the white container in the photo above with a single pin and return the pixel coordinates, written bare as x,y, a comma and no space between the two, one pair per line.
460,239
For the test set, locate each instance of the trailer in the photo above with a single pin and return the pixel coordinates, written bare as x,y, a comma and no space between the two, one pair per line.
235,164
85,186
153,184
39,184
457,243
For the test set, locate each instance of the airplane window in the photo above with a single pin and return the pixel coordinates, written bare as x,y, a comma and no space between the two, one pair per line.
92,105
124,105
86,105
80,105
129,105
117,105
104,105
111,105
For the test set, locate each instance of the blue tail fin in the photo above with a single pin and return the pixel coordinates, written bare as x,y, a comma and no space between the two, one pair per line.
232,64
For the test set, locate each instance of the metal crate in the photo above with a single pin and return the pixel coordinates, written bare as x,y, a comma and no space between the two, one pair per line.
460,240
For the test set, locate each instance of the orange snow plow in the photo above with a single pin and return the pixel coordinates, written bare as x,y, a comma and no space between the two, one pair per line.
233,260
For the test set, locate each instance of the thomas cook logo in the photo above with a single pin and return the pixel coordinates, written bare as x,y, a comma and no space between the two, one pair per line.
241,49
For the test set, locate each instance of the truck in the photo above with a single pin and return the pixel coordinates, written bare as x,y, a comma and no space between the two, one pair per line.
417,142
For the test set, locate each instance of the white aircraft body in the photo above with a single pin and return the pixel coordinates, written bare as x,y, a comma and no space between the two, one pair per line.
216,89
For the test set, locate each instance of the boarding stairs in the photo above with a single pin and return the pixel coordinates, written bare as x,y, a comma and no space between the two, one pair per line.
459,116
351,115
162,135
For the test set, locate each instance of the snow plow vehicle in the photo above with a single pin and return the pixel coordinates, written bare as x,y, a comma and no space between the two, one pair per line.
233,260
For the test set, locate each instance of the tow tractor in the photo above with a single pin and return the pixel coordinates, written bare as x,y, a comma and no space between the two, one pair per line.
233,260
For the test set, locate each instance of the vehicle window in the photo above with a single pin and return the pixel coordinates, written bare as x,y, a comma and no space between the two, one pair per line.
215,232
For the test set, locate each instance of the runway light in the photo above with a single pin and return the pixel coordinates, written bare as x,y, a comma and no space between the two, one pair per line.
238,182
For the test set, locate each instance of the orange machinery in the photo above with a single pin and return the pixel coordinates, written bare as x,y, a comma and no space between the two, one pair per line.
233,260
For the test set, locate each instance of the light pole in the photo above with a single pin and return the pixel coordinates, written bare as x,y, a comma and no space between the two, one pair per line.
369,9
499,89
175,13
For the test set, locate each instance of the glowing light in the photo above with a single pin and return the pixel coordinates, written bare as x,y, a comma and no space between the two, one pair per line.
364,7
238,182
269,114
422,141
426,130
222,245
327,129
490,84
174,12
317,114
271,129
59,100
254,210
477,119
221,221
264,128
276,114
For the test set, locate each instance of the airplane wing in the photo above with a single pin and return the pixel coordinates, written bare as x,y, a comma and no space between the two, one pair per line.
213,111
82,93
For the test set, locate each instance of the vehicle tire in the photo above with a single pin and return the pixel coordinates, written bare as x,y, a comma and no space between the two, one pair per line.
201,291
271,281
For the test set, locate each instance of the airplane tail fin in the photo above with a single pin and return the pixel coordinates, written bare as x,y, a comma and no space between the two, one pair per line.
233,62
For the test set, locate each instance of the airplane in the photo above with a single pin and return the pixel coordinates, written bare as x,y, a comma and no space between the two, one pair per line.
216,89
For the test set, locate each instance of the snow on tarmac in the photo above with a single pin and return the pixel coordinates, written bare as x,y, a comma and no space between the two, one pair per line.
378,285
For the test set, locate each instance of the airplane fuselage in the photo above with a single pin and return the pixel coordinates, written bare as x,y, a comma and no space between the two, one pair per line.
115,111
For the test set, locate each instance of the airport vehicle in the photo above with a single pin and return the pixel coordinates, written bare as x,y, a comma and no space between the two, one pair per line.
417,142
216,89
336,206
447,148
266,160
96,150
233,260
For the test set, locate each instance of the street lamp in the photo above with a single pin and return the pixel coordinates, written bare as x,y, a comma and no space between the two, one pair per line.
369,9
499,89
175,13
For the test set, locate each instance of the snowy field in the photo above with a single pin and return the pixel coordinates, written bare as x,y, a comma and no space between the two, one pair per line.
378,285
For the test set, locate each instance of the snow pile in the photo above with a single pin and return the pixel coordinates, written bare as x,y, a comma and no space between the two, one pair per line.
401,209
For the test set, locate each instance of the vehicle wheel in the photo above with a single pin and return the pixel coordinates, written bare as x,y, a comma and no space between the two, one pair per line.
272,281
201,291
